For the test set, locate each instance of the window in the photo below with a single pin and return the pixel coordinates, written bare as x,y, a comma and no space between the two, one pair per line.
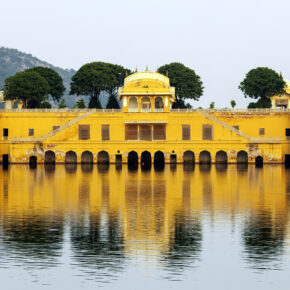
30,132
237,127
145,104
55,128
159,132
262,131
207,132
131,132
288,133
84,132
133,105
5,133
145,132
105,132
185,132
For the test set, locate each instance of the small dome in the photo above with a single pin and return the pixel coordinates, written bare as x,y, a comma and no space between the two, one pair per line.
138,76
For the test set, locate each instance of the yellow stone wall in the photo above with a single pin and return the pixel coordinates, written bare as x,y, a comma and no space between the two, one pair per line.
20,146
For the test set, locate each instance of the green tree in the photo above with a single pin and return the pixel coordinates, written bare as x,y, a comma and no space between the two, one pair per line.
45,105
261,103
80,104
211,105
96,77
54,80
186,82
233,103
62,104
27,86
112,103
261,83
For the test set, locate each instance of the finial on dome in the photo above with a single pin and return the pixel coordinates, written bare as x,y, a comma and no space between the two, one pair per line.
281,74
136,70
167,73
126,73
146,67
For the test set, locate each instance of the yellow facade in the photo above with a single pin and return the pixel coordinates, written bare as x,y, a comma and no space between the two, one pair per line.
260,133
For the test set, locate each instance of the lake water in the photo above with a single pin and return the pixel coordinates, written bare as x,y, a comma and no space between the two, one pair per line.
85,227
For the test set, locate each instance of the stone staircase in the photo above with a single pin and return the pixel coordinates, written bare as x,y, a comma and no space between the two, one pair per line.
54,132
238,132
65,126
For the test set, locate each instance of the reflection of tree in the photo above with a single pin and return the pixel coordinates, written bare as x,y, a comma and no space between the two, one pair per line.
98,244
263,238
184,244
37,237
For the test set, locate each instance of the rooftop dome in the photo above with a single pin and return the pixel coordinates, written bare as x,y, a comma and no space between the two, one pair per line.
138,76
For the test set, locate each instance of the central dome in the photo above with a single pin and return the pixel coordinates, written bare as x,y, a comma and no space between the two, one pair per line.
147,76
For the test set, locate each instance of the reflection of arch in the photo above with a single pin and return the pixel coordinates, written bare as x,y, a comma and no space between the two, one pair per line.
145,104
221,157
188,157
204,157
49,157
158,104
242,157
32,161
159,159
87,157
103,157
133,105
146,159
70,157
259,161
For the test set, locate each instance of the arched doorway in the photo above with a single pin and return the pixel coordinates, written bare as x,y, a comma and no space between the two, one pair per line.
188,157
158,104
159,160
133,105
259,161
242,157
204,157
32,161
70,157
49,157
103,157
87,157
133,160
146,160
145,104
221,157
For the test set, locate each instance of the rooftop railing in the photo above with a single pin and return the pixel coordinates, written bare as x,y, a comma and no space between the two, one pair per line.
158,110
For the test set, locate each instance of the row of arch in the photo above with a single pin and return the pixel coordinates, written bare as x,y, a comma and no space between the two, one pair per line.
146,158
145,104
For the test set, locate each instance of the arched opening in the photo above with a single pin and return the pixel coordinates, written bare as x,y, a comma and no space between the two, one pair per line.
259,161
159,160
221,157
287,160
133,105
87,157
188,157
32,161
158,104
49,157
133,160
103,157
70,157
204,157
173,159
242,157
145,104
5,161
146,160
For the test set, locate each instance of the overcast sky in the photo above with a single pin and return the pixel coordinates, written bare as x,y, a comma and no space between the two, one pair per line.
220,39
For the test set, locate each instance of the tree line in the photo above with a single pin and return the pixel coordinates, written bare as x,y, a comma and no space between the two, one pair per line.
34,86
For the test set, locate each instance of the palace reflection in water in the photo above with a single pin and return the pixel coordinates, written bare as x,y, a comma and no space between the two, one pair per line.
102,220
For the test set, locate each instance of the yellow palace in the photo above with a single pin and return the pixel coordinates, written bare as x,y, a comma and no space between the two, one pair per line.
146,130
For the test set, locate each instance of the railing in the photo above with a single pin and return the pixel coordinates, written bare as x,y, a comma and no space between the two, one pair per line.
60,110
231,110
